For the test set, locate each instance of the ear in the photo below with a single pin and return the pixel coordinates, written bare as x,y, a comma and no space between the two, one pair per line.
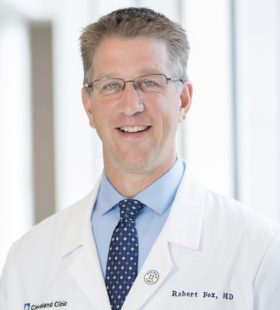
87,103
186,100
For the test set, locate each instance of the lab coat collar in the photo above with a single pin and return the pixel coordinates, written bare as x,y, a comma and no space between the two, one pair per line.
85,267
77,230
182,228
184,224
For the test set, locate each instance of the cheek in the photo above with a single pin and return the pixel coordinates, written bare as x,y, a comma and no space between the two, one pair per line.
100,114
166,117
172,110
97,118
172,118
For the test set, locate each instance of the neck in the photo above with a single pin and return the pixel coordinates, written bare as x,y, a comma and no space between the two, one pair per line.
129,183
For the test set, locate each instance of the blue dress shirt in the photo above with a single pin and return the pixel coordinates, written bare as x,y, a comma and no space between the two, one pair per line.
157,197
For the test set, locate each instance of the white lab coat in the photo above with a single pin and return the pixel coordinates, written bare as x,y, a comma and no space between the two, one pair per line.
212,253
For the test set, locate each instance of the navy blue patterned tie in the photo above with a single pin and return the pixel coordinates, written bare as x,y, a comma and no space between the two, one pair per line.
122,263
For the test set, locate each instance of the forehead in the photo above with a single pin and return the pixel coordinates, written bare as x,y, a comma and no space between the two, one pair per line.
127,58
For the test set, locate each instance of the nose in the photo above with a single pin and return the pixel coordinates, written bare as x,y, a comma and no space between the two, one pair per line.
131,100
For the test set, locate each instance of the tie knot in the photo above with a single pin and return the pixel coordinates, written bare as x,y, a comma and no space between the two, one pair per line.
130,209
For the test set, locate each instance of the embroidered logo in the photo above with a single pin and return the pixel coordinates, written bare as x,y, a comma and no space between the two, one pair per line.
53,304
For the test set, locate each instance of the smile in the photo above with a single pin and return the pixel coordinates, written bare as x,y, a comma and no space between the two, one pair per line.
134,129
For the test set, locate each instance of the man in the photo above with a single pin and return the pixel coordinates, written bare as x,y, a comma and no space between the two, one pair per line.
148,236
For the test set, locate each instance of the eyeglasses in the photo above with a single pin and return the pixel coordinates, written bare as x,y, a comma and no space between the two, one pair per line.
148,84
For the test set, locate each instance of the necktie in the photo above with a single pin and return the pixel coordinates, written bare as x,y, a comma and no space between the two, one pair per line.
122,263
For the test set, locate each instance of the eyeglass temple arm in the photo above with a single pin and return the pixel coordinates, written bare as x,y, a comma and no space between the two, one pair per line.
175,79
87,85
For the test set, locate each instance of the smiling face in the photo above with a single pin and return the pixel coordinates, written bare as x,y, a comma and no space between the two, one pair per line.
137,129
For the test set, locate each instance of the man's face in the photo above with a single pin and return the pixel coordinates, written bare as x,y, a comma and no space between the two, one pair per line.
153,116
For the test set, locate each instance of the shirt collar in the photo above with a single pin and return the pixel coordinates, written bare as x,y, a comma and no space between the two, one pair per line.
158,196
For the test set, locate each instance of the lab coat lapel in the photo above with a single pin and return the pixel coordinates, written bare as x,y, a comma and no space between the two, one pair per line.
85,268
151,276
86,271
182,228
184,224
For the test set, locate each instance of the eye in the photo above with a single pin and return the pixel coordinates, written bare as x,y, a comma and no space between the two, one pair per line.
151,83
148,83
111,86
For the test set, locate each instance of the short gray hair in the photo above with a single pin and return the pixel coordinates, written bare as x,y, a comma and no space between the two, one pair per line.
131,23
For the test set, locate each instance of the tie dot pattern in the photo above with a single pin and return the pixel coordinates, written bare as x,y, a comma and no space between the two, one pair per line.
122,263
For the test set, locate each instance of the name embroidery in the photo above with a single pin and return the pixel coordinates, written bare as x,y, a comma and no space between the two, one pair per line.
205,294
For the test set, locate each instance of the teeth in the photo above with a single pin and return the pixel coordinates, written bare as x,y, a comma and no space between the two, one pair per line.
133,129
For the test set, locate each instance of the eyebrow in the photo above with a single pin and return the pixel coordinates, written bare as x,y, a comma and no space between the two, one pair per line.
107,75
142,72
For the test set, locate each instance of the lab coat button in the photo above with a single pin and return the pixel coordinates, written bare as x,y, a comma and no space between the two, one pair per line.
151,277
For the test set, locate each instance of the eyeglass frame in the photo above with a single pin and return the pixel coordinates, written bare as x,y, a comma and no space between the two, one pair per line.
172,79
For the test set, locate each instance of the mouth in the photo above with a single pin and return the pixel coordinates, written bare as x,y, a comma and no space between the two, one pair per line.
133,129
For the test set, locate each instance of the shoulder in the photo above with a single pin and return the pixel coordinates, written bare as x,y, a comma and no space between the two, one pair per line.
240,227
50,234
39,252
222,212
221,218
227,210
